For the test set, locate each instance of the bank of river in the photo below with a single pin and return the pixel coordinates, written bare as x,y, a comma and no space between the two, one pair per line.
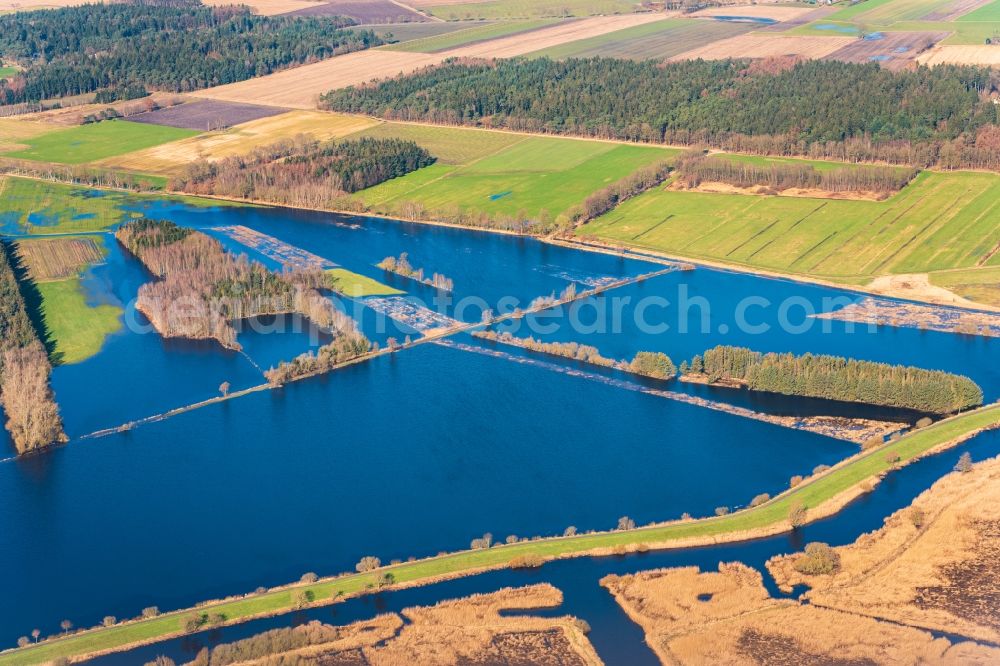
408,454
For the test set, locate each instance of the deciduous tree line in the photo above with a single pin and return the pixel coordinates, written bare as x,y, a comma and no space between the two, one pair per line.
838,378
695,168
817,108
305,172
123,47
201,288
32,414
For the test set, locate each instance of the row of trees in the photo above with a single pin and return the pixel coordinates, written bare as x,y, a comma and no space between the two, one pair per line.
695,168
120,48
202,288
344,347
304,172
648,364
401,266
838,378
32,414
860,110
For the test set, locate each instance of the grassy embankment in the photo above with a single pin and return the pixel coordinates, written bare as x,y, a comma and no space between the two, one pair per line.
773,514
941,221
96,141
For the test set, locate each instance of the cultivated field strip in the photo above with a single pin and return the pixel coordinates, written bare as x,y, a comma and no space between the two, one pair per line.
660,39
948,54
894,50
767,45
772,12
58,258
172,158
300,87
206,115
267,7
939,221
363,11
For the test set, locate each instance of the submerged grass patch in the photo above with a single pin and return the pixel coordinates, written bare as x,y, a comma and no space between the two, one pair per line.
809,495
96,141
43,207
353,284
78,328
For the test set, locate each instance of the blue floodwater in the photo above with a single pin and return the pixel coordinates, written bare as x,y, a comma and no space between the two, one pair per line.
618,640
409,454
873,36
500,195
746,19
850,30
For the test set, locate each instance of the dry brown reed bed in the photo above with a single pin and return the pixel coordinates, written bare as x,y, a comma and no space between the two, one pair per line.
58,258
728,617
469,630
935,564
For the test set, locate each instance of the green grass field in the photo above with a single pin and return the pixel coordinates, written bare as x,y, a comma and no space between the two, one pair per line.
909,16
809,494
978,284
96,141
990,12
77,328
470,35
661,39
352,284
7,71
500,173
939,221
520,9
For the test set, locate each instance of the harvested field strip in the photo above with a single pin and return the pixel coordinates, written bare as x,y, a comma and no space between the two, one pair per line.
961,55
520,9
804,19
769,516
477,33
954,9
172,158
767,45
300,87
267,7
660,39
894,51
543,38
404,32
58,258
206,115
362,11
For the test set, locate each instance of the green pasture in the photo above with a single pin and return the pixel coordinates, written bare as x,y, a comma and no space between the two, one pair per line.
511,174
352,284
990,12
77,327
809,495
471,35
940,221
977,284
521,9
96,141
661,39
